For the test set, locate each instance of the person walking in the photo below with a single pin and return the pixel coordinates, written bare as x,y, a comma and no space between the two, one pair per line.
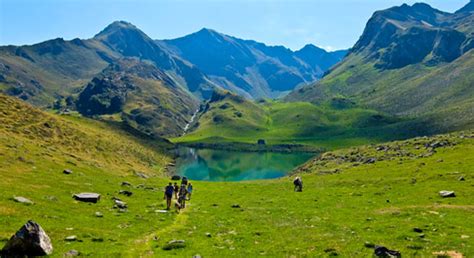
182,196
169,189
176,190
190,190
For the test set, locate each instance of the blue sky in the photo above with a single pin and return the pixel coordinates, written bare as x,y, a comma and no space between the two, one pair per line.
331,24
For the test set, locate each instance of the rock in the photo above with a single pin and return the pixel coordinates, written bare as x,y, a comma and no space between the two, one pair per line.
98,214
261,142
23,200
70,238
72,253
208,234
142,175
125,183
174,244
417,230
381,251
369,245
87,197
119,204
176,177
197,256
67,171
447,194
461,178
125,192
235,206
30,240
370,161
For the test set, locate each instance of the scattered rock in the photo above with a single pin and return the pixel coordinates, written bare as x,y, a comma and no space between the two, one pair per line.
125,192
235,206
381,251
176,177
417,230
125,183
370,161
23,200
72,253
142,175
87,197
174,244
369,245
99,214
67,171
119,204
70,238
447,194
30,240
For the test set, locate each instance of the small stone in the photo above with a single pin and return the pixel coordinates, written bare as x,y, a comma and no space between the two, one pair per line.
447,194
465,236
119,204
208,234
87,197
461,178
174,244
197,256
71,238
381,251
417,230
421,235
72,253
125,183
235,206
23,200
369,245
99,214
67,171
125,192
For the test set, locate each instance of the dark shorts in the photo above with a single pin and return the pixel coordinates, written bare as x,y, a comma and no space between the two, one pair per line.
169,196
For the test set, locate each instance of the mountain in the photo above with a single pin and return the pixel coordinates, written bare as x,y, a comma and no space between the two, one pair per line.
57,68
250,68
141,95
411,61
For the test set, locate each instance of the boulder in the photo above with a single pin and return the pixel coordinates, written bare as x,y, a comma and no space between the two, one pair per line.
72,253
447,194
125,183
125,192
176,177
30,240
174,244
67,171
87,197
23,200
119,204
382,251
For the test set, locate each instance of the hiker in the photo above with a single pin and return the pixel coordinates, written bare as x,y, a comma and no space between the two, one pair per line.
182,196
176,190
184,181
298,182
169,189
190,190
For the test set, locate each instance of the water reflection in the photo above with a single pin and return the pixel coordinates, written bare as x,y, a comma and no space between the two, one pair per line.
219,165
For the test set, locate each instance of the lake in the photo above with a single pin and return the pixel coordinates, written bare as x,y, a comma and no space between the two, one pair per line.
222,165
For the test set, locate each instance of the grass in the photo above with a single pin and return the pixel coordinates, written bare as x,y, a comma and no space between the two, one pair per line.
328,126
345,203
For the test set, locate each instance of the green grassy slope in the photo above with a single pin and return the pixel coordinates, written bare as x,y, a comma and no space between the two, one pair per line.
36,147
337,212
333,124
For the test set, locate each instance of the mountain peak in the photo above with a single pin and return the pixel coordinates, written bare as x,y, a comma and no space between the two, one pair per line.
469,7
116,26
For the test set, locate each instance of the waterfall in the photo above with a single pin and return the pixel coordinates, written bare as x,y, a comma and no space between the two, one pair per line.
186,127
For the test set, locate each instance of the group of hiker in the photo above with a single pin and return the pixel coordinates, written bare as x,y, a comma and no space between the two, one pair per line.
180,193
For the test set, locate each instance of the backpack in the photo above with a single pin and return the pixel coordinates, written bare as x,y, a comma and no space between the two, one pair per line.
169,190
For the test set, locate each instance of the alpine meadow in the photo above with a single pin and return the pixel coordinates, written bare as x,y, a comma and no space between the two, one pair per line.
173,141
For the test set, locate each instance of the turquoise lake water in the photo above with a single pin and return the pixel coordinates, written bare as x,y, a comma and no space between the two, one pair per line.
220,165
